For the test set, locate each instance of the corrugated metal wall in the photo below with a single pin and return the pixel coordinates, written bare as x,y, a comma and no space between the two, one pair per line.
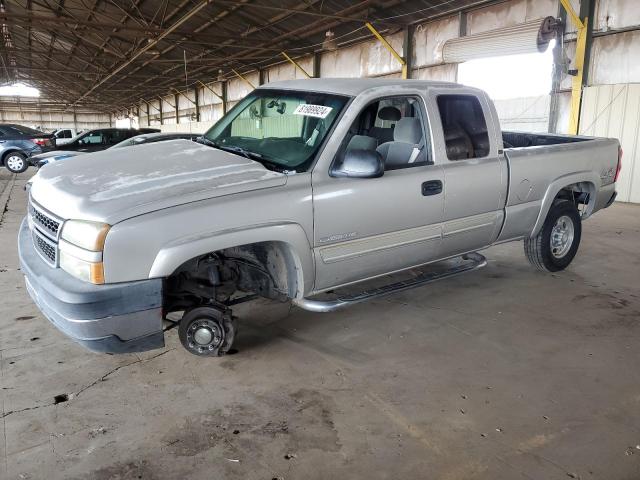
32,116
614,111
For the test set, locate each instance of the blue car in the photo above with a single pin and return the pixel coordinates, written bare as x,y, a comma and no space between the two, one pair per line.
18,143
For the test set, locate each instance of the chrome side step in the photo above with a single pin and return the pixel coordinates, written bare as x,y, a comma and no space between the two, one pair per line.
476,261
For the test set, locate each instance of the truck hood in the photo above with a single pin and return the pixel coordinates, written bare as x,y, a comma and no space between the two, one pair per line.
116,184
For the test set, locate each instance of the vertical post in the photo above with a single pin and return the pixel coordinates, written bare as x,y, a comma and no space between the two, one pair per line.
407,50
587,11
260,76
558,72
148,114
462,23
160,111
224,97
317,64
176,99
197,103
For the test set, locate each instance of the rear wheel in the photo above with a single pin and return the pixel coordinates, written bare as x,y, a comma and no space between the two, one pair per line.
557,242
16,162
207,331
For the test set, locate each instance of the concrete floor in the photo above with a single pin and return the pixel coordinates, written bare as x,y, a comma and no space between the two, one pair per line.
504,373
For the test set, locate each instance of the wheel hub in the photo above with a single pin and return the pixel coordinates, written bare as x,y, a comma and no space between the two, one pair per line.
205,334
562,235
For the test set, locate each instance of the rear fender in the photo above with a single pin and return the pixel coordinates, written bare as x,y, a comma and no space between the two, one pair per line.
588,179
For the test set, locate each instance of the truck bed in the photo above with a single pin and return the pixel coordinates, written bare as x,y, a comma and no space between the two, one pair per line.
524,139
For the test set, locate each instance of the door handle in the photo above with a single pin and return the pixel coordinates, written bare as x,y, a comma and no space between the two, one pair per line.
432,187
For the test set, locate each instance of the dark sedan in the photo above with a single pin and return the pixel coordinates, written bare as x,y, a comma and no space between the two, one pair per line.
102,138
55,156
18,143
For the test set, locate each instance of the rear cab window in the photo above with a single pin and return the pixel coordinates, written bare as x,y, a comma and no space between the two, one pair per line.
464,126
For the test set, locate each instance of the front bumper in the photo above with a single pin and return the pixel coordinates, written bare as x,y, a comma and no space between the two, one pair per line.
112,318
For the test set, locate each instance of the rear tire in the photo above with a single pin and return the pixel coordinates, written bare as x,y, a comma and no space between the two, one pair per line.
557,243
16,162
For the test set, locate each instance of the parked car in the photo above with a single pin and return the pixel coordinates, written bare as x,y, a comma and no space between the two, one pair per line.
18,143
57,155
65,135
102,138
294,193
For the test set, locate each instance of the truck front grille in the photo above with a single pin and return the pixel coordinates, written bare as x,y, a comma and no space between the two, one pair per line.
47,223
46,248
45,229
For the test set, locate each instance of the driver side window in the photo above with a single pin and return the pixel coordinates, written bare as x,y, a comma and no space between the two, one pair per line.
395,128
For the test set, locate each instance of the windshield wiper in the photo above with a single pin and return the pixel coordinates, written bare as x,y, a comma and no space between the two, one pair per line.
244,152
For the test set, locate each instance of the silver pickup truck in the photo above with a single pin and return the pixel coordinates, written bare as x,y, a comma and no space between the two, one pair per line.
304,187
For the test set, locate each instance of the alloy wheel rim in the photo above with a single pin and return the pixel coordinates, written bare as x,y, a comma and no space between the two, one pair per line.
562,235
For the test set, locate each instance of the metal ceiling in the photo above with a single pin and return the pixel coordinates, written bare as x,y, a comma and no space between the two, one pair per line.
106,54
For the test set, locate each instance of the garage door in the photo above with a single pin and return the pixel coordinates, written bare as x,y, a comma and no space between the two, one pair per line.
527,37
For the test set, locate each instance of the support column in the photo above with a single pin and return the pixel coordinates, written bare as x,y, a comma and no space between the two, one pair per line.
176,98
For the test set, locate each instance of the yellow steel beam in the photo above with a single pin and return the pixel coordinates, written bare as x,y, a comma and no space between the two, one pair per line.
211,90
296,64
183,94
388,46
240,76
149,105
576,85
575,18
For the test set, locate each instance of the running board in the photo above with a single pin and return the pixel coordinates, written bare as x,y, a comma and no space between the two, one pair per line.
320,306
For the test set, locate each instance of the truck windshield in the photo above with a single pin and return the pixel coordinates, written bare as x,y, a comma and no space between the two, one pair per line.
280,128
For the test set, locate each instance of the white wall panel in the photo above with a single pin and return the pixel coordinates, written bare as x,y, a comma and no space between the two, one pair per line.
429,38
438,73
369,59
238,88
615,14
508,14
287,71
616,58
528,114
614,111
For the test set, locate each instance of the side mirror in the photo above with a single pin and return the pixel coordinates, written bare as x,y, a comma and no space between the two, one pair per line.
358,164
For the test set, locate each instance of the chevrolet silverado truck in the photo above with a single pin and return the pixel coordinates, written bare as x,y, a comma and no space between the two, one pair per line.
302,189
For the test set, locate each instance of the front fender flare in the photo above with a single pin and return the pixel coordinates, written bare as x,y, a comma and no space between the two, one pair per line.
174,254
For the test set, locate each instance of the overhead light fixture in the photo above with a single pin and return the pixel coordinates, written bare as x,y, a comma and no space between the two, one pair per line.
220,76
329,44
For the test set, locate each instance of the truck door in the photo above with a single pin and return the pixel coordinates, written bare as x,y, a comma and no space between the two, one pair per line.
366,227
475,174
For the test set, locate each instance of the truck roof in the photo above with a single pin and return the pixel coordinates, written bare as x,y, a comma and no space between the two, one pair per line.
353,86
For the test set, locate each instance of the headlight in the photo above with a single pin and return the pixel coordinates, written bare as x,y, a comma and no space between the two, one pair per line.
88,271
81,244
85,234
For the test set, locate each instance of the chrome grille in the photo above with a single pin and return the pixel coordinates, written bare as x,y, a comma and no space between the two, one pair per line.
45,230
46,248
48,224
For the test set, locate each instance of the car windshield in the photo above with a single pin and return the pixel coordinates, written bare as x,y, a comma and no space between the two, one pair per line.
282,129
